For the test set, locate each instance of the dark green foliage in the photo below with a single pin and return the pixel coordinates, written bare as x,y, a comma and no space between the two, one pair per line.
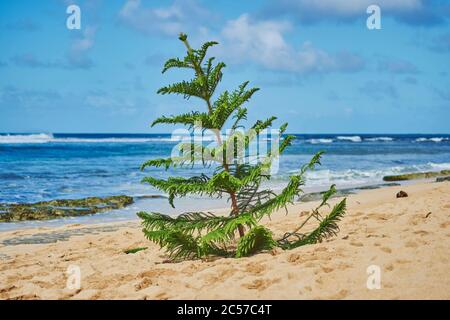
199,234
257,239
180,245
327,228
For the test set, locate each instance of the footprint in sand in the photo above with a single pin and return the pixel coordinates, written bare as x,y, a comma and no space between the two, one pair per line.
389,267
291,275
162,296
42,284
156,272
26,297
294,258
145,283
411,244
100,284
340,295
386,249
417,219
402,261
87,294
260,284
218,276
383,217
444,224
7,289
255,268
357,244
327,269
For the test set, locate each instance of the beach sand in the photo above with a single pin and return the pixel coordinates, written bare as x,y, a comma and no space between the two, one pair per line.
407,238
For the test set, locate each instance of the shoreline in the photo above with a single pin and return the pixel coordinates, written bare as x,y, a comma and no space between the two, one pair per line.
401,236
312,194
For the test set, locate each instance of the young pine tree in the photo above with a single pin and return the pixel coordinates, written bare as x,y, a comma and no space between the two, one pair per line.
200,234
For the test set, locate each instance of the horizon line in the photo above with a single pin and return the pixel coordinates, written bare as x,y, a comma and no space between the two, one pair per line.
168,133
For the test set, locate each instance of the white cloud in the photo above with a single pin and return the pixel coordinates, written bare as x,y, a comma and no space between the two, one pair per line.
260,41
181,16
242,40
245,40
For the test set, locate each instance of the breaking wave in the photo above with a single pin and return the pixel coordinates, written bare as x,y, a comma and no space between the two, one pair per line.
354,177
434,139
380,139
349,138
26,138
49,138
319,141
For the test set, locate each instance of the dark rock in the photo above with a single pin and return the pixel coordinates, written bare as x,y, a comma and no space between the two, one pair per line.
378,186
151,196
417,175
47,210
442,179
402,194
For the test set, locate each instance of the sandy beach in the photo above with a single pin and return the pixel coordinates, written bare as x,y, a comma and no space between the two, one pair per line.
407,238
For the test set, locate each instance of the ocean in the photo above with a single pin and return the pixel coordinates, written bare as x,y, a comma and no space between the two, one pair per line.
40,167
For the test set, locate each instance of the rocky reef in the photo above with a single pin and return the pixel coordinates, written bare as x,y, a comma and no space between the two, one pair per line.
417,175
46,210
442,179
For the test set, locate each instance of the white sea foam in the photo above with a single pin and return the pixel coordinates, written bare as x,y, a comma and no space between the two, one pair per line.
109,140
47,138
380,139
350,138
344,178
319,141
434,139
439,166
353,177
26,138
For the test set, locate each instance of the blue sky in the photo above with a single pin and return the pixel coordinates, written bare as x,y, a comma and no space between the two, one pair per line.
317,64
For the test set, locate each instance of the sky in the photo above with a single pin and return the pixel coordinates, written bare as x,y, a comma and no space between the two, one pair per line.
317,64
